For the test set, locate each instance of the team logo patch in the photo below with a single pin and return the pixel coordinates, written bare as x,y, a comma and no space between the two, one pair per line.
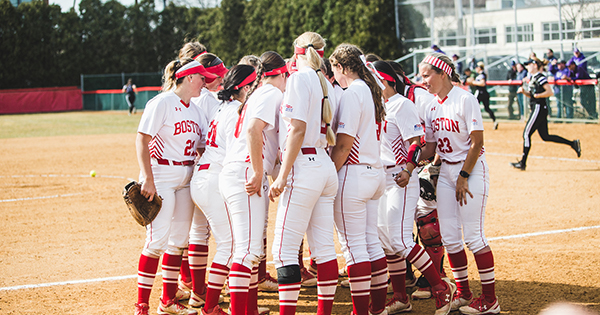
289,108
475,123
341,125
417,127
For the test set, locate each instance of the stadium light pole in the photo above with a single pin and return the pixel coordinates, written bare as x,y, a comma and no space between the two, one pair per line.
397,19
516,38
560,31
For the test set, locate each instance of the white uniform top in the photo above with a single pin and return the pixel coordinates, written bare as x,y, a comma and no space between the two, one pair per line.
262,104
177,129
303,101
422,101
221,131
449,122
336,106
357,119
401,123
208,102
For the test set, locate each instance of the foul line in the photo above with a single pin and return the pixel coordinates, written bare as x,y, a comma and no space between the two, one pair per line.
35,286
42,197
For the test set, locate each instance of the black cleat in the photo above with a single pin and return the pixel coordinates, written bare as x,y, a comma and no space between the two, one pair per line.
577,147
518,165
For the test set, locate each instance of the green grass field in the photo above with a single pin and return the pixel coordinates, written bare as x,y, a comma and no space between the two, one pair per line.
67,123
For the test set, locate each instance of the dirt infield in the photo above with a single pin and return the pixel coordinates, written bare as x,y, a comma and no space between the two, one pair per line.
58,224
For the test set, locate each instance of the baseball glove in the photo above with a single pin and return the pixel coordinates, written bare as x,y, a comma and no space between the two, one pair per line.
142,210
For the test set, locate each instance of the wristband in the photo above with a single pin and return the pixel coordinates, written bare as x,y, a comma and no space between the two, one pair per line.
407,171
464,174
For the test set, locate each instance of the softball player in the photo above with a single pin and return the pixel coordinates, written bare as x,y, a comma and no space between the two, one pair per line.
170,133
207,100
207,196
538,92
361,178
454,125
481,92
243,183
400,152
306,184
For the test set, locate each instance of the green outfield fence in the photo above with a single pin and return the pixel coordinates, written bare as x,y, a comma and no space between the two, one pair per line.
104,91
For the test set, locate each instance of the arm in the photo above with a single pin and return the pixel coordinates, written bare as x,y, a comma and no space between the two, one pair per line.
479,83
255,146
403,178
343,145
294,143
462,185
143,156
429,150
135,89
124,89
547,92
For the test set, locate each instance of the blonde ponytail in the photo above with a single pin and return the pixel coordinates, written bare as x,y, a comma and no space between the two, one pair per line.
315,62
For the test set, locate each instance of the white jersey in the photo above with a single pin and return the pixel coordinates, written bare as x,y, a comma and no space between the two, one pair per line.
401,124
262,104
220,132
208,103
302,101
450,121
357,119
336,106
177,129
422,100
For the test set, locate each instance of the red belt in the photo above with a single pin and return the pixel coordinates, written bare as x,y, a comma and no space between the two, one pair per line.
309,151
451,163
167,162
203,167
390,166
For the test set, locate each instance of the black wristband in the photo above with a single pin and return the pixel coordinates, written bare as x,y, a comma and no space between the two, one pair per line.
464,174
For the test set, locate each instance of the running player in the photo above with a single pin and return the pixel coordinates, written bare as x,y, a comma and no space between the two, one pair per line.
307,182
454,126
169,137
361,178
538,92
481,92
206,194
243,183
400,152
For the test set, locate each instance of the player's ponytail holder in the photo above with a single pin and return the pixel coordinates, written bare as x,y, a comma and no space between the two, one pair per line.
438,63
249,79
373,71
302,51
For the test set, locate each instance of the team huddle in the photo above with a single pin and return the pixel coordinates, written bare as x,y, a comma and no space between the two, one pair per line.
352,146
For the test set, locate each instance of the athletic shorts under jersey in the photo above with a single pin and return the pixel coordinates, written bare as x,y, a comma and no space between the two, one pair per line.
302,101
221,129
177,129
449,122
357,119
401,124
263,104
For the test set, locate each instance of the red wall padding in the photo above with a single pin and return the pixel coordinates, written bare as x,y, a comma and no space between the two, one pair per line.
40,100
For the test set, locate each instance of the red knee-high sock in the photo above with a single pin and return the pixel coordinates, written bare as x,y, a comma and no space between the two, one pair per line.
216,278
437,257
170,270
458,263
288,297
262,265
327,279
397,270
485,264
147,268
252,304
184,271
379,272
301,255
360,286
239,282
198,260
419,258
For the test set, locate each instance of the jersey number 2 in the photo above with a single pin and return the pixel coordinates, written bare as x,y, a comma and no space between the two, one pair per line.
190,148
212,135
444,145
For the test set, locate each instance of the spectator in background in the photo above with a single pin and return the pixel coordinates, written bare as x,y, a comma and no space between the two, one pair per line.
521,75
469,77
458,64
512,89
578,58
131,91
588,94
481,93
472,63
437,49
563,93
552,61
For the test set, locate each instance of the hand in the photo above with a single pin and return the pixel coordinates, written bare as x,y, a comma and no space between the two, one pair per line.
462,189
254,185
277,188
520,89
148,190
402,179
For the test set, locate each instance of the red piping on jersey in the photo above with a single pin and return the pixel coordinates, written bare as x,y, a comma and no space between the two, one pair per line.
184,104
442,100
482,212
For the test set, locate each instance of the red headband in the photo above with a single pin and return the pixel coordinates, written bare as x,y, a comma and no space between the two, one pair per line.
200,54
219,70
386,76
193,68
438,63
302,51
246,81
277,71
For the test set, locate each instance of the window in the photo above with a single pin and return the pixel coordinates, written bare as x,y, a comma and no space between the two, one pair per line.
591,28
485,35
524,33
448,38
550,30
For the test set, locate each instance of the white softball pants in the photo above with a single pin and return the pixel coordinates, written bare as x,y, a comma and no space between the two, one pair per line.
356,208
468,218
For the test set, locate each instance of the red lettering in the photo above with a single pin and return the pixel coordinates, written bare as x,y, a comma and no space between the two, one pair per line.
177,129
455,127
